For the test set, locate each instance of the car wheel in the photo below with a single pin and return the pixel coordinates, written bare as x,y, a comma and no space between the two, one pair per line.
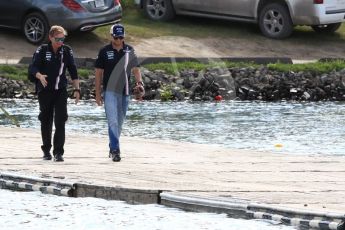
160,10
329,28
35,28
275,21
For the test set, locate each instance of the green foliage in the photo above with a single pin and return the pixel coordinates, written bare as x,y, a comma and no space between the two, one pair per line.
174,68
8,69
126,4
84,73
10,117
315,67
15,72
166,93
20,72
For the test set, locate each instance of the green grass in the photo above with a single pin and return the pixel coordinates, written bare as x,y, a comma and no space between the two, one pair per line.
317,67
126,4
14,72
20,72
307,34
139,26
173,68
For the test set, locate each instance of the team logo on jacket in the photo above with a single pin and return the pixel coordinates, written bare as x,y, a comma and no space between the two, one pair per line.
110,55
48,56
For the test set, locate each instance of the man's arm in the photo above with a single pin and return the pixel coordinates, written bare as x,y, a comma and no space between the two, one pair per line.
37,64
137,74
139,90
76,90
72,69
98,81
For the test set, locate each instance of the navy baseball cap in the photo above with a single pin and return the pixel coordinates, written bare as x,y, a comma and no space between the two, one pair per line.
117,30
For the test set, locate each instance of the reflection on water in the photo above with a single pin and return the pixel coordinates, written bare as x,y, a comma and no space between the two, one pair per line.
302,128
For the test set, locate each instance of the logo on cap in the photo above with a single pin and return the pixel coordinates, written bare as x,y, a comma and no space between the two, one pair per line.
117,30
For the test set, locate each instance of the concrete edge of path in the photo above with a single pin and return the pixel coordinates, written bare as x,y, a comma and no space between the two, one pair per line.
234,208
243,209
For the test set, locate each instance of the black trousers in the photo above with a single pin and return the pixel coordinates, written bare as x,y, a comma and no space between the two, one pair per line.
53,107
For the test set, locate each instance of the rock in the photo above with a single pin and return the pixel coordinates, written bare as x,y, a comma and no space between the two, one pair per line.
247,83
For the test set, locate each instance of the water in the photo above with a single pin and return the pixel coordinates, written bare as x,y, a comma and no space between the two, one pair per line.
300,128
26,211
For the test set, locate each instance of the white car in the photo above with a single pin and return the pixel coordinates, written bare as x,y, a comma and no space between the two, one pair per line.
276,18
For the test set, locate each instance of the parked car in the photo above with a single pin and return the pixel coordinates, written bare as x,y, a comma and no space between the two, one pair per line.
276,18
34,18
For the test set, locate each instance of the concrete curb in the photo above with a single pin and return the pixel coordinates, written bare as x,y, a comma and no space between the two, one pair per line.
23,186
235,208
295,213
132,196
298,222
244,209
24,183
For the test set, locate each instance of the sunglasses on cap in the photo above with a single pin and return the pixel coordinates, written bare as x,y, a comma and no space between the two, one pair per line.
59,39
118,37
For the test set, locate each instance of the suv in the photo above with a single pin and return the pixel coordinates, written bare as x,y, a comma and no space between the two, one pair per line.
276,18
35,17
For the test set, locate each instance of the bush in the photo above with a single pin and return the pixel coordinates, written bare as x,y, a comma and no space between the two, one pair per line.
127,3
166,93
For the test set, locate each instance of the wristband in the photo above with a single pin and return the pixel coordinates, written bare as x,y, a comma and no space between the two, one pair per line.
140,83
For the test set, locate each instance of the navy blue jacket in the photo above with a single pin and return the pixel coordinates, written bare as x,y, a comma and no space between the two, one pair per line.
48,63
117,68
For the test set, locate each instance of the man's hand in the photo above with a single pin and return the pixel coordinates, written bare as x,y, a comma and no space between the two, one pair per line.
139,91
42,79
99,100
76,95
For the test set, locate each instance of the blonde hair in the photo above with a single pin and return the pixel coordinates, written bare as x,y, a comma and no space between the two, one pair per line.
57,30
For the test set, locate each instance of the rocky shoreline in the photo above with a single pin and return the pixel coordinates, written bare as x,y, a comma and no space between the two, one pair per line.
217,83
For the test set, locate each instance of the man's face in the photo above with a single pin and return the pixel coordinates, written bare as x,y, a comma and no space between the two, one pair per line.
118,40
57,40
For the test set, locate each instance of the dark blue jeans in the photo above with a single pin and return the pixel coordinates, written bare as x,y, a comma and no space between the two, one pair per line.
53,107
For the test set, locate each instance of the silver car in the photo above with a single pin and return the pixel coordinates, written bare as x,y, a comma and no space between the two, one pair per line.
34,18
276,18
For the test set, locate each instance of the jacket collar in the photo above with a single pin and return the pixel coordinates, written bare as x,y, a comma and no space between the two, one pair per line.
50,48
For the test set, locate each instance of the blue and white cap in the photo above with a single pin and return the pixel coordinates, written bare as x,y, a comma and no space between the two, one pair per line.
117,30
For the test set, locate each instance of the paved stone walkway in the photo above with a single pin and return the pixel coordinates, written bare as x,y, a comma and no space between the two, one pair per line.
308,182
